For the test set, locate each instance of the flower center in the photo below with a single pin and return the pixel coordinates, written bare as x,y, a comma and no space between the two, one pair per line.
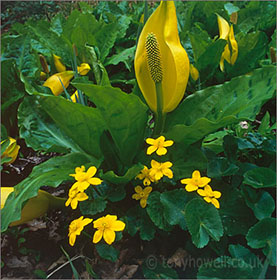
154,57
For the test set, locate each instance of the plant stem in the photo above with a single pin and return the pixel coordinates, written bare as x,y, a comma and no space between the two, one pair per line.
160,117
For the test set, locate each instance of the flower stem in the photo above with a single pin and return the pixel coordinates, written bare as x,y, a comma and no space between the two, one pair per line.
159,116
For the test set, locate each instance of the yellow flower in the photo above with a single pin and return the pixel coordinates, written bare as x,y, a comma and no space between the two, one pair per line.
142,195
196,181
54,81
76,227
60,67
193,72
106,227
35,206
83,69
158,145
74,196
160,58
84,179
210,196
145,176
11,151
227,33
159,170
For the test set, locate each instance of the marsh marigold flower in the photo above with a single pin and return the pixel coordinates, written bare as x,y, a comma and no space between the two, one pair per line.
106,227
142,195
145,176
76,227
84,179
159,170
158,145
192,184
74,196
209,195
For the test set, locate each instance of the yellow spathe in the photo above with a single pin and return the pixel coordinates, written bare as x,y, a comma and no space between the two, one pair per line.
174,60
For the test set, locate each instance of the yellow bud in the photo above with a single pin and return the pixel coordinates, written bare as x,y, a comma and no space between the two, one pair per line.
11,151
58,64
83,69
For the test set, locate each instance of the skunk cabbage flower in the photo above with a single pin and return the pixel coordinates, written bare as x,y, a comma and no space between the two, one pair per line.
161,63
11,151
74,96
60,67
227,33
35,207
54,82
83,69
193,72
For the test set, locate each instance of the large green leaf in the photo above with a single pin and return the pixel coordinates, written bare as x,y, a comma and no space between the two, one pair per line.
125,117
84,125
50,173
40,132
203,221
226,268
207,110
260,177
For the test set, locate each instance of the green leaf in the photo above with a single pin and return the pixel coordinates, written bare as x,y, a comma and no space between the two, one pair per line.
107,252
230,147
264,126
260,177
214,141
174,203
40,132
155,210
4,146
50,173
239,252
220,167
93,206
126,56
261,233
125,116
217,106
84,125
202,220
226,268
131,173
153,269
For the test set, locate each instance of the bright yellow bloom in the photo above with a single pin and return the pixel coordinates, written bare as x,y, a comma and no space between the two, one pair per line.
158,145
192,184
142,195
60,67
74,196
35,206
106,227
159,170
193,72
76,227
210,196
84,179
227,33
11,151
83,69
160,58
145,176
54,81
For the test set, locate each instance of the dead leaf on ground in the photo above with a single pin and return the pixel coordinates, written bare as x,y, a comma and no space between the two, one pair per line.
177,258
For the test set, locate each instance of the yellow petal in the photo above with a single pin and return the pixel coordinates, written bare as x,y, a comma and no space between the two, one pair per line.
86,221
138,189
150,141
97,236
208,199
74,203
58,64
109,236
136,196
72,239
201,192
168,173
215,202
117,226
98,223
147,190
54,83
174,60
186,181
155,164
161,151
168,143
217,194
203,181
151,150
95,181
191,188
143,202
223,27
196,174
91,171
83,69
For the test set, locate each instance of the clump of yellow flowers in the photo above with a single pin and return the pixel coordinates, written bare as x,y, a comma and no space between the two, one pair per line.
106,226
157,170
200,184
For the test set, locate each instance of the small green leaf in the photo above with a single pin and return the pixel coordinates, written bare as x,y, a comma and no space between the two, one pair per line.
260,177
93,206
107,252
153,269
202,220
